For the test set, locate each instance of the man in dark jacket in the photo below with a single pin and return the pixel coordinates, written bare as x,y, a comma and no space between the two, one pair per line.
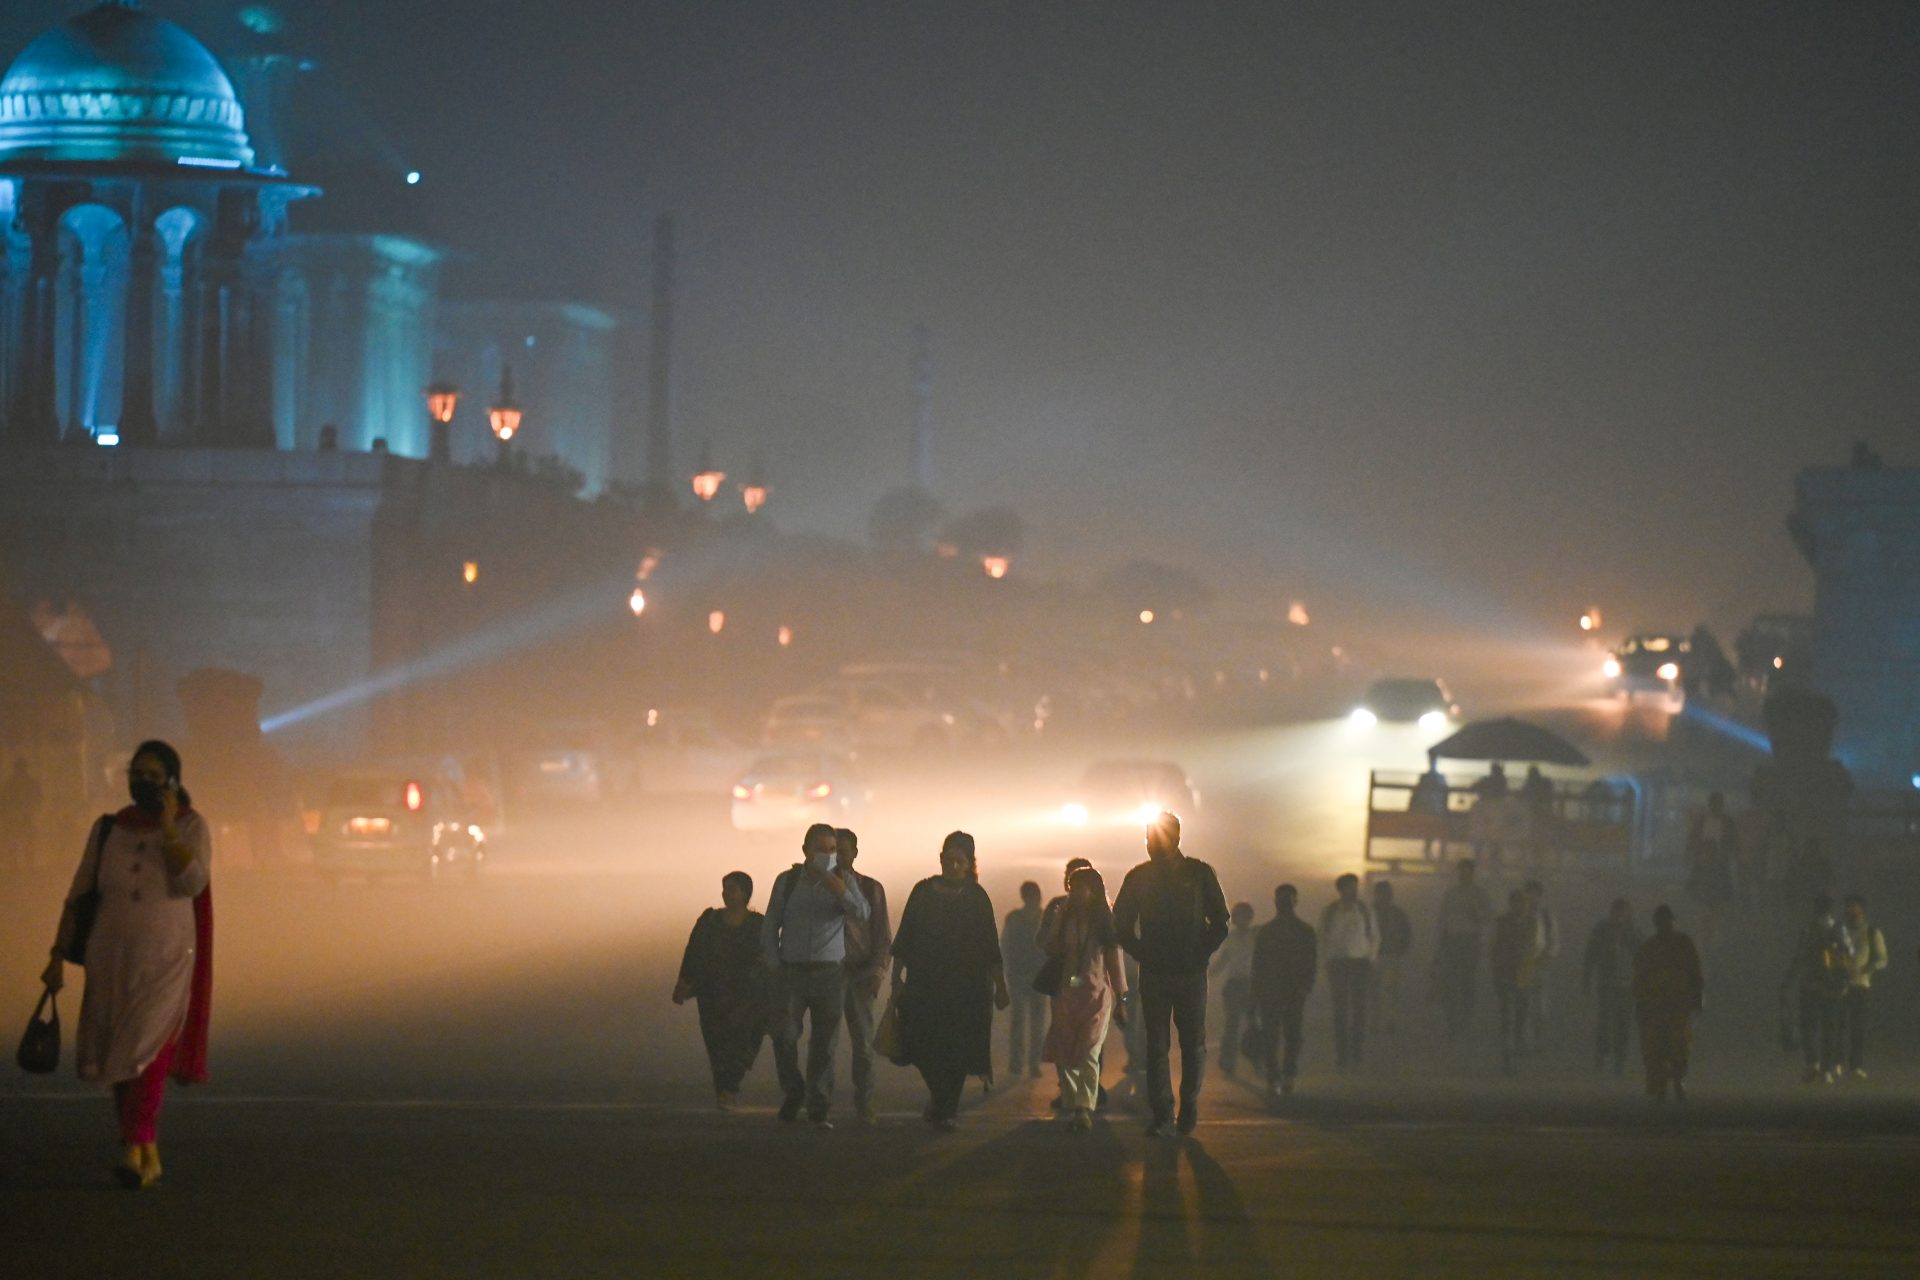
1607,972
1286,956
1171,916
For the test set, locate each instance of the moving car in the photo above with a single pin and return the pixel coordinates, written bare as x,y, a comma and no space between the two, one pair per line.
1404,700
1132,793
403,818
1649,663
790,790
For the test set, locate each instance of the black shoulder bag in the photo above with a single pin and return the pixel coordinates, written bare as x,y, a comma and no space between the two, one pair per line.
40,1045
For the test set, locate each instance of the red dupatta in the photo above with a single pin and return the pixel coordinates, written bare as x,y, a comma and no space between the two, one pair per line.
190,1051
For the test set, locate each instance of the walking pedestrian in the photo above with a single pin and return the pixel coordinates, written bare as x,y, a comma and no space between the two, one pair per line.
1285,963
1820,970
1172,917
1541,1004
1465,912
1396,952
1349,940
1091,994
948,979
869,952
1021,951
1513,962
1607,972
804,943
1233,969
1667,990
147,1003
1868,948
1713,845
721,971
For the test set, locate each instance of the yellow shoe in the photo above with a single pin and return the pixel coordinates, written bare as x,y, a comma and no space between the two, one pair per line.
131,1172
149,1165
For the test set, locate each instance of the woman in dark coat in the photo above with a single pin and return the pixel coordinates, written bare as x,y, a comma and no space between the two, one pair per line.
723,971
948,979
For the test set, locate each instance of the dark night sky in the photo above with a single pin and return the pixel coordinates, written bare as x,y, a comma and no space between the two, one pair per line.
1491,308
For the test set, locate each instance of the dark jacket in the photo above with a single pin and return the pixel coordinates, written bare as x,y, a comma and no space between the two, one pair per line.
1286,955
1171,915
1608,963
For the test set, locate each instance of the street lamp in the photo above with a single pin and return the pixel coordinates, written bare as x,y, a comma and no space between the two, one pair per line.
754,496
637,602
708,479
441,399
996,566
504,416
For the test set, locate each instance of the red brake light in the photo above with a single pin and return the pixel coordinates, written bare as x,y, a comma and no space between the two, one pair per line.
415,797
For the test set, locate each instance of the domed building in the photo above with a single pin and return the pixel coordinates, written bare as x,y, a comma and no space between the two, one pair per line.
140,272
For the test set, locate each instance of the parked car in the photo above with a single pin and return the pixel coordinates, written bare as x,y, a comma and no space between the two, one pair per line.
399,818
1129,793
791,790
810,720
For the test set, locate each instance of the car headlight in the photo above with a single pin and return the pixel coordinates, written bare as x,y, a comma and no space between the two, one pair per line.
1074,815
1147,814
1432,720
1669,671
1364,718
1610,668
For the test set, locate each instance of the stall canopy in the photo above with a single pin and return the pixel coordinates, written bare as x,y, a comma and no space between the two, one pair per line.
1508,739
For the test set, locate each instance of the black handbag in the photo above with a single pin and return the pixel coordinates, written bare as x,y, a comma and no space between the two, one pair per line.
40,1046
1047,980
86,907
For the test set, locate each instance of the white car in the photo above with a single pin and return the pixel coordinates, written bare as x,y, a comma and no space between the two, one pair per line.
881,716
792,790
1402,700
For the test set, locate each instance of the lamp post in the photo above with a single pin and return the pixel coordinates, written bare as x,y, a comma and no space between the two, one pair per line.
504,416
441,399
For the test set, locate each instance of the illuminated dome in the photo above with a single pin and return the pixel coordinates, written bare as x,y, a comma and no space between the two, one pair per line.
117,84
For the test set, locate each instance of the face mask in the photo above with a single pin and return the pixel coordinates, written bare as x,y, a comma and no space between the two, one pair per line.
821,861
146,795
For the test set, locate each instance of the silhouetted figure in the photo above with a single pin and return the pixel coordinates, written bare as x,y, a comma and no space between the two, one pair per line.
329,438
1092,993
1020,950
1396,953
1540,1004
1713,851
1171,917
1233,970
1667,989
1868,956
722,972
1285,963
804,943
1513,960
869,951
1536,794
1349,940
948,979
1607,972
1465,913
1429,797
1820,970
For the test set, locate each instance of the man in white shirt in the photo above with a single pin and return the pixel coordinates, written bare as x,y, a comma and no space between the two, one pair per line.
1233,968
1349,940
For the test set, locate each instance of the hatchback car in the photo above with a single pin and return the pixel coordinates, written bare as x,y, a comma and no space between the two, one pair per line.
397,820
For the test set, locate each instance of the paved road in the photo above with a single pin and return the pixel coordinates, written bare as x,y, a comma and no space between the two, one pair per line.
370,1187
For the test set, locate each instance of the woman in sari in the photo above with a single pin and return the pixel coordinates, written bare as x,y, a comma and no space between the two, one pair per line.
1092,993
948,980
148,954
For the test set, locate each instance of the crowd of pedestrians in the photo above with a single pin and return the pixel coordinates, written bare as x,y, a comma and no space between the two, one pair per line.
1152,960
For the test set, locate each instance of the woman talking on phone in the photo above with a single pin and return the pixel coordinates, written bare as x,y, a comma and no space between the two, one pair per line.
140,918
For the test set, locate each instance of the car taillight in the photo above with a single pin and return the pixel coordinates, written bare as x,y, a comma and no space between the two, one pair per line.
741,791
415,797
820,791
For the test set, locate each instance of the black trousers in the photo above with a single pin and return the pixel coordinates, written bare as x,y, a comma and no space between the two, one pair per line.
1281,1034
944,1086
1179,999
1853,1014
1347,982
1457,962
1820,1029
1612,1021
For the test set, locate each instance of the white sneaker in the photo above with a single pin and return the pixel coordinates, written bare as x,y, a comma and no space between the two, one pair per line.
1859,1073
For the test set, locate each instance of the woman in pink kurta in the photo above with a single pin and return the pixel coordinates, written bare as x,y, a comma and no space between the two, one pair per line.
149,956
1093,985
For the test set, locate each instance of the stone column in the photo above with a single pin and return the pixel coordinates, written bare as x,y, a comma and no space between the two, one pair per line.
31,417
138,424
